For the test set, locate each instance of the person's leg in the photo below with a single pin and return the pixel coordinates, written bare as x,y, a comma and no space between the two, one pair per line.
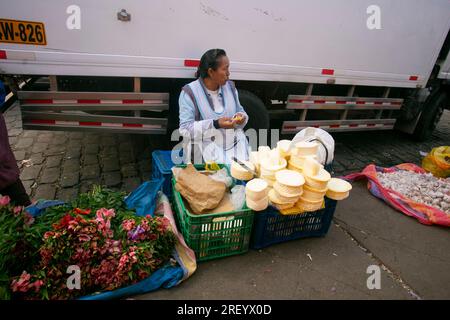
17,193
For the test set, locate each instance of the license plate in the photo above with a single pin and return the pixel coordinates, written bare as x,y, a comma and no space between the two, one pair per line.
22,32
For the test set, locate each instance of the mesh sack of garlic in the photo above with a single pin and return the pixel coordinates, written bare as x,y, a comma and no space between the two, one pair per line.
411,190
419,187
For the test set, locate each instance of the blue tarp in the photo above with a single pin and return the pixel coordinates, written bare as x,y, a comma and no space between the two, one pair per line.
40,206
165,277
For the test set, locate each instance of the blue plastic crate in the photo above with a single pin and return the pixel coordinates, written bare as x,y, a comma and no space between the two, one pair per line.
271,227
162,168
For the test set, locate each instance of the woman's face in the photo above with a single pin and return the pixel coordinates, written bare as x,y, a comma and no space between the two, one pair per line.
221,75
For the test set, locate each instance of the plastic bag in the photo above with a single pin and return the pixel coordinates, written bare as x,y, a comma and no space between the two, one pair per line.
438,162
200,191
222,176
324,139
143,199
238,197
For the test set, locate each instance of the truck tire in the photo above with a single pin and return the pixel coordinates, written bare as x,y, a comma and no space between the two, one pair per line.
430,116
258,117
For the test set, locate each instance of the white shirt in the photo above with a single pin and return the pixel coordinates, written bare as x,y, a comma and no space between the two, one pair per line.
217,100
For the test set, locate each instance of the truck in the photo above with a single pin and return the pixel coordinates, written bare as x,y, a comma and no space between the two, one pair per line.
119,66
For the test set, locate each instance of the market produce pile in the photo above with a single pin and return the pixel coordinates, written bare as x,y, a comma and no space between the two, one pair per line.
112,246
423,188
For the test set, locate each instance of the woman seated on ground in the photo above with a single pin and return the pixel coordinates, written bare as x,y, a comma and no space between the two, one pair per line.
212,102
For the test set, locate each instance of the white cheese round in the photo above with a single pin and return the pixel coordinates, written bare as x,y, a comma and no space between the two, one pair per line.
339,185
258,205
256,189
311,167
319,181
299,161
313,194
337,195
273,197
238,172
289,178
305,148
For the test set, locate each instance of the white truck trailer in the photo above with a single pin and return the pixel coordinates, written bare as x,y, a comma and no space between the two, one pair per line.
120,65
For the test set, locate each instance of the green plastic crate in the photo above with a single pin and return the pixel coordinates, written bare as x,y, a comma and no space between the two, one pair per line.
214,235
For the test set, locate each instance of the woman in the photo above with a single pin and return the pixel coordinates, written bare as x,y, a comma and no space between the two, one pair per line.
210,112
10,183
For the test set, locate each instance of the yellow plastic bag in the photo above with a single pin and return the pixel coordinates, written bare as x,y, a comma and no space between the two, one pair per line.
438,162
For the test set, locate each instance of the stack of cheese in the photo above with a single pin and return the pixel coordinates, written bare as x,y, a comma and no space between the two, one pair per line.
338,189
315,187
287,189
283,148
254,159
256,194
300,153
256,156
270,163
240,173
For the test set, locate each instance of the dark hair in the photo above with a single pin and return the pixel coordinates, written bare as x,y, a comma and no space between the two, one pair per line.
210,59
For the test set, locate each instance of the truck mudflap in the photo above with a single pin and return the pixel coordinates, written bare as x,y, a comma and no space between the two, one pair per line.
124,112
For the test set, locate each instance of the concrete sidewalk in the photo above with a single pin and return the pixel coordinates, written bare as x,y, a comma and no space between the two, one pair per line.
414,258
417,254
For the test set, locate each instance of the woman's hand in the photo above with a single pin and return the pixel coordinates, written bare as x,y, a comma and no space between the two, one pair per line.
226,123
238,118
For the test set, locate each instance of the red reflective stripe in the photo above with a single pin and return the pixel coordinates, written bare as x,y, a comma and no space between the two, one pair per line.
334,126
328,71
83,123
2,54
378,102
360,102
132,125
353,125
132,101
38,101
41,121
397,103
191,63
413,78
371,124
319,101
296,101
341,102
88,100
290,127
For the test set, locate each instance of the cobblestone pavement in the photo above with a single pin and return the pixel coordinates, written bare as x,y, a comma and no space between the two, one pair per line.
59,165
